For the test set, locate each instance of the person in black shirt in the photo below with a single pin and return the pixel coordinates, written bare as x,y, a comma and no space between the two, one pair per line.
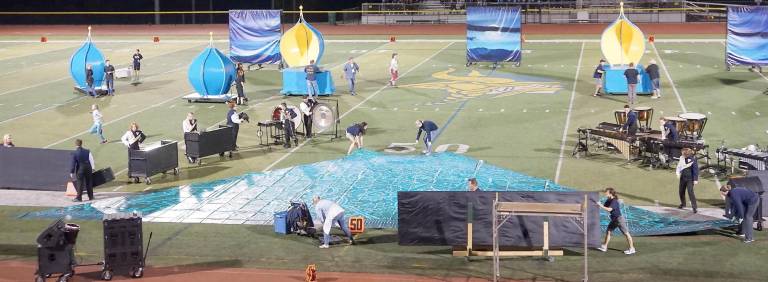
81,169
472,183
631,74
109,77
89,80
598,76
612,206
137,57
234,121
653,72
355,135
240,84
289,127
631,125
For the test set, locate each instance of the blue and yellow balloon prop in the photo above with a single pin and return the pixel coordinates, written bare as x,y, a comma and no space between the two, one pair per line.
211,72
622,41
302,43
85,55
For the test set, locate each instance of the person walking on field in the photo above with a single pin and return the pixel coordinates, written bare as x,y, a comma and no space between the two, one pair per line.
631,74
393,67
98,122
598,76
350,72
612,206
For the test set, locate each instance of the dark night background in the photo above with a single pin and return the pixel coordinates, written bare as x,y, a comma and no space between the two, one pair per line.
165,5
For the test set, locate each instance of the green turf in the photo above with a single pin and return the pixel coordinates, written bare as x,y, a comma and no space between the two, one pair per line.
38,106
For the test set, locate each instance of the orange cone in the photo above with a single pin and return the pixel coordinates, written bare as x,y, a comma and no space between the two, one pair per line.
392,39
71,191
156,39
43,39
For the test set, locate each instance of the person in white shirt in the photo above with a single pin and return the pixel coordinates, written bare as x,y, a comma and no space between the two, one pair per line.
234,121
189,125
98,121
306,113
133,137
7,141
393,70
329,213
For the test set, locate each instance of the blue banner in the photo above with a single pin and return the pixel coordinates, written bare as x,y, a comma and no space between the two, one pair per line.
747,41
493,34
254,36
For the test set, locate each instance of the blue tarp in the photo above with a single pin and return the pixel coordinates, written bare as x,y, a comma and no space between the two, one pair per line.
747,40
493,34
254,36
295,82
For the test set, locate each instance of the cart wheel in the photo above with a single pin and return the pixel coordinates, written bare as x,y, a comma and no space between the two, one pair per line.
138,273
136,180
759,226
189,100
468,64
230,154
63,278
221,154
517,64
147,180
40,278
176,171
106,275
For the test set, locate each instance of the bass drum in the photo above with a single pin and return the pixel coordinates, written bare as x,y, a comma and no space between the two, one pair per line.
278,111
323,117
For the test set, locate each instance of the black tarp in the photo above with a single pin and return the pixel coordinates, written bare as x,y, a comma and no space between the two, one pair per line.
34,169
440,218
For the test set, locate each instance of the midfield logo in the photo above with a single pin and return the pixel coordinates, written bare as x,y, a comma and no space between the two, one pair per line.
475,85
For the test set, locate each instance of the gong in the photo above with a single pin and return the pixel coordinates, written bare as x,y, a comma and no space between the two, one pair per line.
322,117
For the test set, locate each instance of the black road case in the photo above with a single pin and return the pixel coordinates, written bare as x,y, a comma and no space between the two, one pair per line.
55,251
157,157
123,246
208,143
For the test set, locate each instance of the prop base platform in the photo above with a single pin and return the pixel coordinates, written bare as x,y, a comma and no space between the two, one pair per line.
615,83
295,82
100,91
197,98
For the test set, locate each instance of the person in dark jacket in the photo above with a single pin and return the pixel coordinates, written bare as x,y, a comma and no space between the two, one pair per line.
631,125
613,207
653,73
81,170
289,127
109,77
669,138
430,132
233,120
472,184
598,76
688,172
743,202
89,80
240,84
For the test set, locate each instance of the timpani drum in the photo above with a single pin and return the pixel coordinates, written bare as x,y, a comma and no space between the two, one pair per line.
621,116
644,116
694,124
679,123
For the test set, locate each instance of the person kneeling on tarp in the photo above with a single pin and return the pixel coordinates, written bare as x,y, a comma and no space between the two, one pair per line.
329,212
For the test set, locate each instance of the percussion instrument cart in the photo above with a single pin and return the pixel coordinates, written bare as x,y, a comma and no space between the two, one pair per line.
159,157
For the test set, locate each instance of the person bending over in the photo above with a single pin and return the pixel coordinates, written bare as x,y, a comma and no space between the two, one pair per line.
612,206
329,213
355,135
133,137
430,130
743,202
631,125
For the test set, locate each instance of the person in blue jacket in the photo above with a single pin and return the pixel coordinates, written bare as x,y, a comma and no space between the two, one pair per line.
430,130
688,172
743,203
631,125
355,135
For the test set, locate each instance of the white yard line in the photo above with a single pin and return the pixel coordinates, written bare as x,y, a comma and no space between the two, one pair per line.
116,120
568,116
356,106
669,77
33,86
40,110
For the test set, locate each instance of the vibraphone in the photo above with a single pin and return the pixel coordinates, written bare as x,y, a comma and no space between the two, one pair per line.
747,160
605,139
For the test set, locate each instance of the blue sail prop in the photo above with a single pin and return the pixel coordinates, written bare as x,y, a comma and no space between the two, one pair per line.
212,72
88,53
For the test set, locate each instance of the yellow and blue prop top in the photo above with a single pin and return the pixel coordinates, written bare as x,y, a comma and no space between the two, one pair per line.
301,43
87,54
211,72
622,41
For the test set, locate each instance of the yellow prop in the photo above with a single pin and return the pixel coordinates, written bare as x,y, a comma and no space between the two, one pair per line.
622,42
301,43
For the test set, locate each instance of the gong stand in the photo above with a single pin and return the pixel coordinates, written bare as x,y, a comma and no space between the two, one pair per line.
331,117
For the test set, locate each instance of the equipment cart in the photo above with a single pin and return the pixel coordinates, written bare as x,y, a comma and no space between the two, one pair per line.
208,143
157,157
